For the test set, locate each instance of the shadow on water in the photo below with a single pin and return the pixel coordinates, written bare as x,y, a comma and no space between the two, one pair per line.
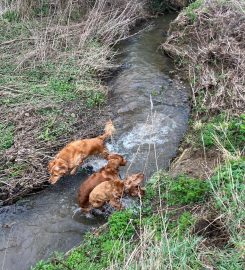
152,115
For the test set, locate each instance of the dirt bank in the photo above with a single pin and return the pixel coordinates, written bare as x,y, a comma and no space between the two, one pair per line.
207,41
53,57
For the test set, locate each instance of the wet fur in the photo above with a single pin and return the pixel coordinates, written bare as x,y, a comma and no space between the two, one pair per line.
69,159
112,191
108,191
108,173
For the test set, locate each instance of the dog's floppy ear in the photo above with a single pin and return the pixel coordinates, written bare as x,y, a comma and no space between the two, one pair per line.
134,180
139,178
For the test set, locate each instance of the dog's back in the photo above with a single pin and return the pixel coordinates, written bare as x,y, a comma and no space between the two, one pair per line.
107,191
86,187
100,194
107,173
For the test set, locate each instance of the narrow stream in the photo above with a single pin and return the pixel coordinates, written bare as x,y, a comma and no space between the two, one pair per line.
152,115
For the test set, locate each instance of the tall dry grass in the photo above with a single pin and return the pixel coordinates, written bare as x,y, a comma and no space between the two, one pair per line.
67,43
208,38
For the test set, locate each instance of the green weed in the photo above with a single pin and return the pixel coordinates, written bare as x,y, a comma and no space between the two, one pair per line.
190,11
42,9
185,222
184,190
121,225
228,259
11,16
228,183
7,136
95,98
17,169
52,128
228,132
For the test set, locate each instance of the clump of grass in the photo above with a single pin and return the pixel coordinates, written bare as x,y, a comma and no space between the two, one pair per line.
95,98
11,16
190,11
185,190
181,190
228,131
228,189
7,136
120,224
16,169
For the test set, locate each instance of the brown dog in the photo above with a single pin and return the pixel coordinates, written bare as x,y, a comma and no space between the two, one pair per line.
108,191
112,191
107,173
72,156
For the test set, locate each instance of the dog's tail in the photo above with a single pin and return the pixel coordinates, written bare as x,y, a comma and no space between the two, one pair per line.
109,130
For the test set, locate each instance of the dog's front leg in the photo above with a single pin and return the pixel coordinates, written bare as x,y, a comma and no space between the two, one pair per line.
79,160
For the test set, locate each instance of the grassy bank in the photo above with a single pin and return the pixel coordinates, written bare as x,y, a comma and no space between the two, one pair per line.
53,57
182,223
192,217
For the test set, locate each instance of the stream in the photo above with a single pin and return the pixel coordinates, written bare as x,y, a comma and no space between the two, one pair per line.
151,117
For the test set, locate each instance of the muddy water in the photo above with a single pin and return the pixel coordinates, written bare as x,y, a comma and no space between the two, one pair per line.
152,114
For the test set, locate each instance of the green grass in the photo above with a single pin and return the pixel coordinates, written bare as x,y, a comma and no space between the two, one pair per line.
95,98
11,16
228,259
229,132
228,191
177,191
155,238
16,170
190,11
7,136
185,190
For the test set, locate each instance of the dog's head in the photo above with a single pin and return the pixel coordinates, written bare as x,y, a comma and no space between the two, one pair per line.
57,168
133,180
116,160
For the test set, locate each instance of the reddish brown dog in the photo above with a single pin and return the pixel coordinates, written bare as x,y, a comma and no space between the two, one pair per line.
107,173
72,156
112,191
108,191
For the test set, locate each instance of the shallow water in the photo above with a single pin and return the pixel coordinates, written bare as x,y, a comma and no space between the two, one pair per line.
152,114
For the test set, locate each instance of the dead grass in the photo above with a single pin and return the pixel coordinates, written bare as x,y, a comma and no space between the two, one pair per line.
50,57
208,39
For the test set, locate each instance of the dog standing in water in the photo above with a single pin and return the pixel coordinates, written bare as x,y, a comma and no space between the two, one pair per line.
113,191
110,172
72,155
